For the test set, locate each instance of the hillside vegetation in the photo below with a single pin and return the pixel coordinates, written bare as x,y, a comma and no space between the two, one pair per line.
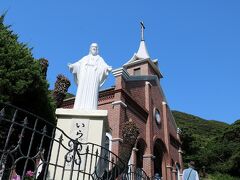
213,145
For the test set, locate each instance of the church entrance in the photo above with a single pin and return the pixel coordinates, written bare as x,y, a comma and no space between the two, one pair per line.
159,150
141,145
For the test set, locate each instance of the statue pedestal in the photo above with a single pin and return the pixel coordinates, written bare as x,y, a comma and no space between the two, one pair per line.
84,125
73,156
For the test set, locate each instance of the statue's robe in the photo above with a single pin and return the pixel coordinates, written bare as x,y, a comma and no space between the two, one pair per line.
89,74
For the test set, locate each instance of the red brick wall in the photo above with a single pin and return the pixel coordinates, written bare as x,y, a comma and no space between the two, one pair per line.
143,66
156,101
146,68
139,122
151,71
136,90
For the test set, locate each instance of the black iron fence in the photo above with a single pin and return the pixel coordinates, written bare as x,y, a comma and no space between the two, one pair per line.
134,173
32,148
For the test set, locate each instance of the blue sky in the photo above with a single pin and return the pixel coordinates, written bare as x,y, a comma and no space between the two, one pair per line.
196,42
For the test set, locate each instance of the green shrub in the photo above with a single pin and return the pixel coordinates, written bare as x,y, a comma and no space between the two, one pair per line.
219,176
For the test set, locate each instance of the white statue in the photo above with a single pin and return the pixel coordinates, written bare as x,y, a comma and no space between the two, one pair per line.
90,72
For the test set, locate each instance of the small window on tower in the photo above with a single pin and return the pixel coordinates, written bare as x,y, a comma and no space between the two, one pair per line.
137,71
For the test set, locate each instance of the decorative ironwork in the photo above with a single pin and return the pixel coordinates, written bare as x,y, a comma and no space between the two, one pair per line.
32,148
134,173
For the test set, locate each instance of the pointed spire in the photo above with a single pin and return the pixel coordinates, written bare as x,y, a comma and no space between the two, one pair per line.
142,51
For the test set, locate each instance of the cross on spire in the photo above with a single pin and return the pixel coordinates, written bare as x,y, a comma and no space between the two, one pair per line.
142,30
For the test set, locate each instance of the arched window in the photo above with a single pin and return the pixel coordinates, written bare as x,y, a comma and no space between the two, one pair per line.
141,146
108,141
108,147
159,151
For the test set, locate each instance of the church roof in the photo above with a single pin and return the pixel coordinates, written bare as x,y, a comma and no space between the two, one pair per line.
142,51
141,54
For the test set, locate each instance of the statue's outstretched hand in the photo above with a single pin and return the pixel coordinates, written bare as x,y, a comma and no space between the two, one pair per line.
110,68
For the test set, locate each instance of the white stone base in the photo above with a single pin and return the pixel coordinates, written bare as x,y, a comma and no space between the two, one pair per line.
83,126
89,124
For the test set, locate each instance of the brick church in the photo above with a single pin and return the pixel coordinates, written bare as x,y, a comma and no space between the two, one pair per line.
137,96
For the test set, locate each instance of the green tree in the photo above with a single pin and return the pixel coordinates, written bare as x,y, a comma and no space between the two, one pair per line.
229,150
21,80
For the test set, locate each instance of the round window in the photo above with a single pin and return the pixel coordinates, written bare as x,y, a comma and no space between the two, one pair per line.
157,116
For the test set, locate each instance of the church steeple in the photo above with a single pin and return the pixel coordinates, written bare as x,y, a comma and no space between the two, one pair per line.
141,64
142,52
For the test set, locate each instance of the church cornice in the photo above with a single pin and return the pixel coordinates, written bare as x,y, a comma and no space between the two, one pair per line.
106,94
121,72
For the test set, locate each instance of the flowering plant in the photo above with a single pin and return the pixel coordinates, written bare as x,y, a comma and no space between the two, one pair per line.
16,177
29,175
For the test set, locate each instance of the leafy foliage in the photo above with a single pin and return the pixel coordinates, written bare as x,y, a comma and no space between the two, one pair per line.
130,133
60,90
218,176
22,82
213,144
69,95
44,65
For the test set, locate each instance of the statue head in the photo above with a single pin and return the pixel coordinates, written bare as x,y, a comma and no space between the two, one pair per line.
93,49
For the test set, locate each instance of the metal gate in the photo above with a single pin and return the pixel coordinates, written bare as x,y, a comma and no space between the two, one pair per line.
26,152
